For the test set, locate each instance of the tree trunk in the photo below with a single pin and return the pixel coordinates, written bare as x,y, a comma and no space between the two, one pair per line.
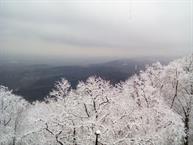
96,142
14,140
186,130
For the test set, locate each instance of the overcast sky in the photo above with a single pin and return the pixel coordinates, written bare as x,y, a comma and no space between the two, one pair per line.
75,29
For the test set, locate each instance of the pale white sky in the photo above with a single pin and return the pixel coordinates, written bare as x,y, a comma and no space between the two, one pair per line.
71,29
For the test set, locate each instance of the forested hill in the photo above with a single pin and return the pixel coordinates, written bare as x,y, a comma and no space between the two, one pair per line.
34,82
153,107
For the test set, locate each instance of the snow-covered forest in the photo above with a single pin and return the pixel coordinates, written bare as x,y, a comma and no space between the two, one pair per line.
153,107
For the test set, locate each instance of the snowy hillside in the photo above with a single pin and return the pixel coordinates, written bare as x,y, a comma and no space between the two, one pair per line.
151,108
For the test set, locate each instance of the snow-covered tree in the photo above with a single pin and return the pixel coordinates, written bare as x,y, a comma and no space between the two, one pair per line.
42,126
177,89
74,119
156,123
11,109
132,113
61,89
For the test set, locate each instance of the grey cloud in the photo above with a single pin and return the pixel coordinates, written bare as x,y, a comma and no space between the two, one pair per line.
152,29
